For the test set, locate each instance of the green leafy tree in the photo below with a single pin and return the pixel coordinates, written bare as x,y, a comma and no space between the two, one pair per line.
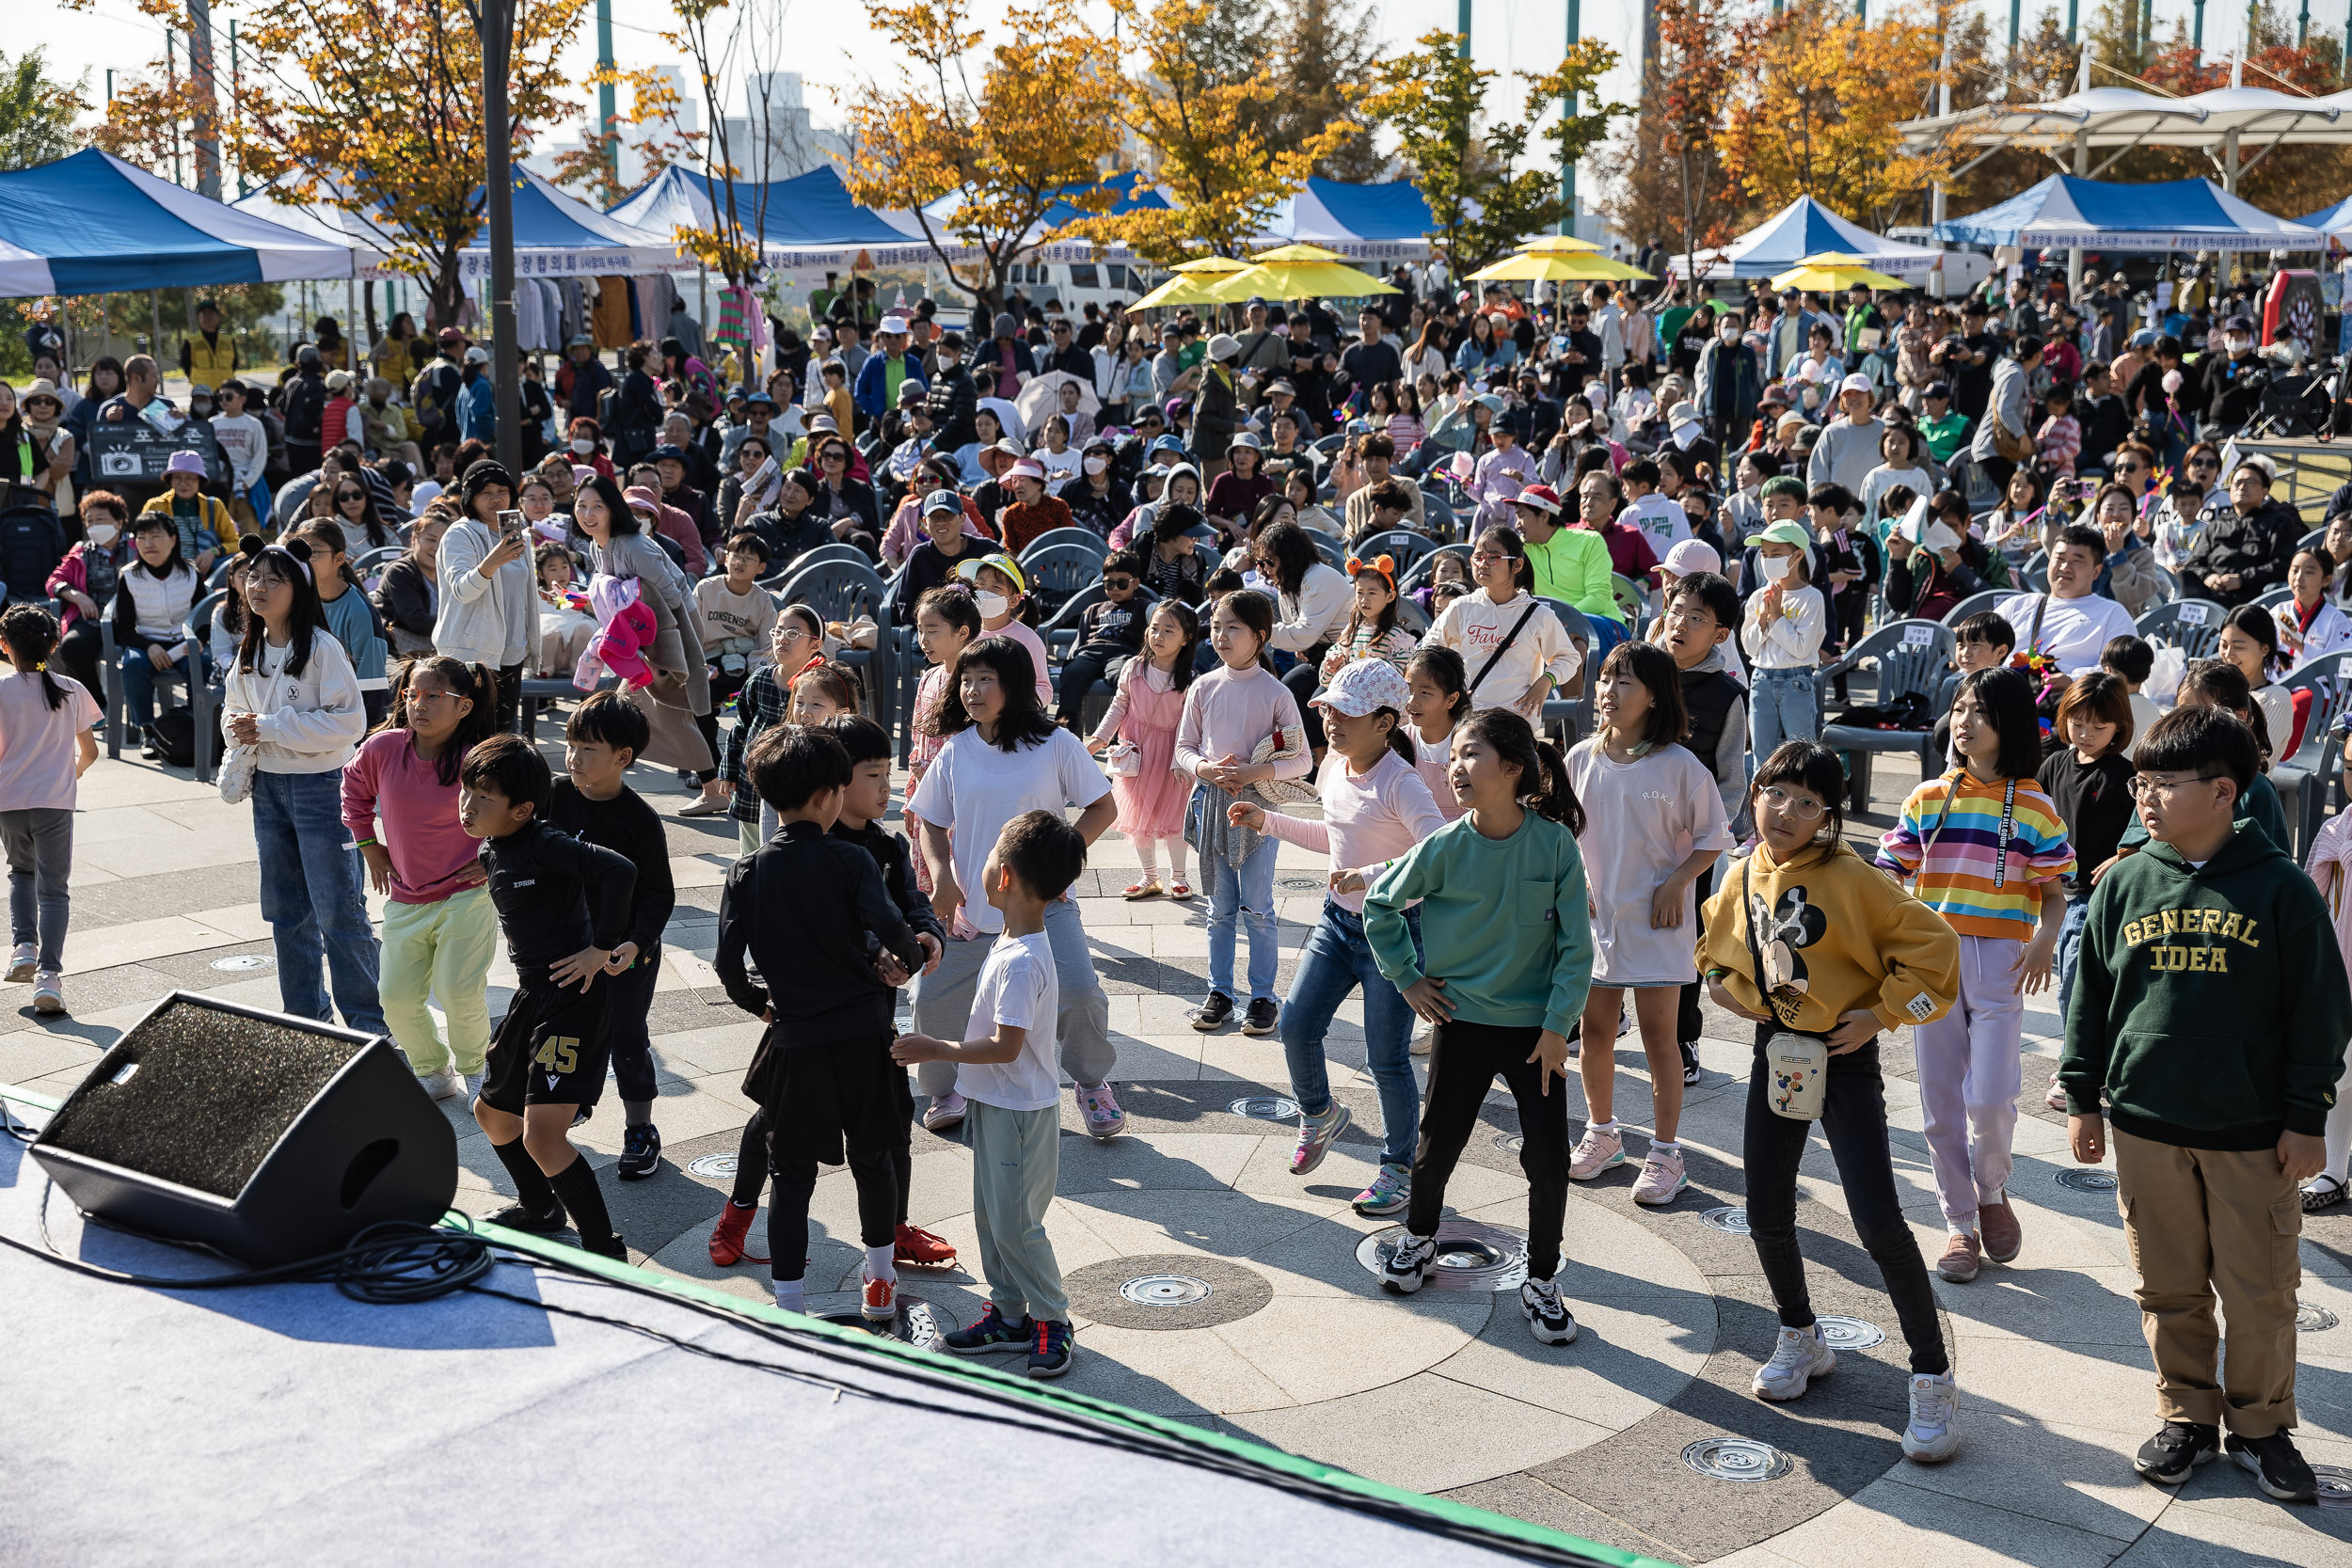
1468,164
36,112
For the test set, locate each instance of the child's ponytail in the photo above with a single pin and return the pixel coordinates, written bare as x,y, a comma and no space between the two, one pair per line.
1544,785
30,634
1399,742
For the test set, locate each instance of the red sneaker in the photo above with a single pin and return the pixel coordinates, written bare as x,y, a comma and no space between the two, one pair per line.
919,1247
879,1300
726,1241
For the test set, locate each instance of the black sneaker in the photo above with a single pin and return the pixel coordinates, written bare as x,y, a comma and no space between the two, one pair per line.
1689,1062
641,1151
1408,1265
583,1114
2168,1456
1547,1316
514,1216
611,1246
1052,1349
2276,1468
1264,1013
1216,1013
990,1336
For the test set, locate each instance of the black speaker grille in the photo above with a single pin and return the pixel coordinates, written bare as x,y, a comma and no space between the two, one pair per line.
212,1092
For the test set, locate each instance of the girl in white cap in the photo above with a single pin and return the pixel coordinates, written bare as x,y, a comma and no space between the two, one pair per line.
1375,808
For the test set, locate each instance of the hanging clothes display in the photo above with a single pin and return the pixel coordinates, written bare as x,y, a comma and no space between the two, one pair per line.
652,306
610,315
574,321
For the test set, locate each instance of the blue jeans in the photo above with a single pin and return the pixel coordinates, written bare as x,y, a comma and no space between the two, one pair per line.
311,896
1335,961
2070,950
138,683
1781,707
1241,893
1608,632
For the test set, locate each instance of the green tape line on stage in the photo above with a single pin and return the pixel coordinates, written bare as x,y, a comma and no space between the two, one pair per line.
1497,1525
1500,1526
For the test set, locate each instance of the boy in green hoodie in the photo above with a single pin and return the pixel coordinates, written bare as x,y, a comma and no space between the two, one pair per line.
2210,1008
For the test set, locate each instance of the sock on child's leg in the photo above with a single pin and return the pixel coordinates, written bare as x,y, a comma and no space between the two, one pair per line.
638,1113
881,1262
1176,858
788,1294
530,1183
576,1185
1147,855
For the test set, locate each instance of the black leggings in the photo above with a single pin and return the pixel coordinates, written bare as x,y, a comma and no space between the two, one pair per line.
1081,670
78,650
751,1170
1690,1024
1853,1119
721,688
1305,679
1463,1061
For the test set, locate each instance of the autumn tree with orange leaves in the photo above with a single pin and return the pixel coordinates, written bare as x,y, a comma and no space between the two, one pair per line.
998,132
374,106
1816,109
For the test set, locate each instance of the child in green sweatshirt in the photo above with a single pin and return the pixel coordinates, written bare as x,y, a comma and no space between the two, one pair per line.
2211,1008
1507,934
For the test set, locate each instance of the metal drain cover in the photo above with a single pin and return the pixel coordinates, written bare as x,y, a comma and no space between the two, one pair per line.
1265,1107
2088,1178
1165,1289
1731,1222
1303,884
1510,1143
246,960
1471,1255
1840,1332
2315,1320
1737,1459
2335,1485
717,1166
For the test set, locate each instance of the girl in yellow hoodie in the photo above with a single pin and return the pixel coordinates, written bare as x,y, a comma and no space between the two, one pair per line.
1807,936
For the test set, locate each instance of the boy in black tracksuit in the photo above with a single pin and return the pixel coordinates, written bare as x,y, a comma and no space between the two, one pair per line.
593,804
547,1060
1110,632
813,914
2211,1008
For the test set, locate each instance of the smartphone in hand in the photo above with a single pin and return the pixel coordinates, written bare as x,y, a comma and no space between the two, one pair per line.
510,525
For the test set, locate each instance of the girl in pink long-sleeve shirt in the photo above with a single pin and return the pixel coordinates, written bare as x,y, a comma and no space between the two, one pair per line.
440,931
1375,808
1228,713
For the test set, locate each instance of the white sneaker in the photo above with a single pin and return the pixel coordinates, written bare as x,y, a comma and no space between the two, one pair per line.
1547,1316
1933,1435
48,991
1800,1356
1407,1268
22,963
471,1084
440,1086
1423,1037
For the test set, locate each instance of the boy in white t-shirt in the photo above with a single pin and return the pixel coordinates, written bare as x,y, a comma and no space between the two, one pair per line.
1013,1123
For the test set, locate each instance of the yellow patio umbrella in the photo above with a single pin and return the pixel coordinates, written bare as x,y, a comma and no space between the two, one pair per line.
1296,253
1832,271
1183,289
1530,266
1557,244
1297,279
1210,267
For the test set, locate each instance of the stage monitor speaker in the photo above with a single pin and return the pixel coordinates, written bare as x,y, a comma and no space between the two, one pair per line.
269,1137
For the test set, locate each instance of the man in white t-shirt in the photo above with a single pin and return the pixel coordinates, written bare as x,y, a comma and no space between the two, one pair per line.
2074,624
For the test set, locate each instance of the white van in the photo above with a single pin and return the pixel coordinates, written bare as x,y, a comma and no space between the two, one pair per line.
1073,285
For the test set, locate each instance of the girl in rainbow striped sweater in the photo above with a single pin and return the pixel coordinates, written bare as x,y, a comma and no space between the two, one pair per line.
1989,853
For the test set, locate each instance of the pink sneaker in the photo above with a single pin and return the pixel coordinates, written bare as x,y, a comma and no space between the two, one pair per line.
1661,1177
2056,1099
1596,1153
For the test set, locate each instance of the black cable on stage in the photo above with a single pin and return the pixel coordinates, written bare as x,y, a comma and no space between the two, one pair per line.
400,1262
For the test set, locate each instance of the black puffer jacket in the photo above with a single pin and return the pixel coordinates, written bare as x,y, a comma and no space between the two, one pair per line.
952,400
2256,546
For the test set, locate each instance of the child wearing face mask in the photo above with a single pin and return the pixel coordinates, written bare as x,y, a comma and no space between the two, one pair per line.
1001,593
1786,623
84,579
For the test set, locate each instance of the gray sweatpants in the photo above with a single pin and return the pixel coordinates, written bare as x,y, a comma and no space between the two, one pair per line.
942,1002
1016,1158
39,848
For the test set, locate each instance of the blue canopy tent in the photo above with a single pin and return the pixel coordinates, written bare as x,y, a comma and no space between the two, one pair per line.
2067,210
808,220
92,223
557,234
1805,227
1387,222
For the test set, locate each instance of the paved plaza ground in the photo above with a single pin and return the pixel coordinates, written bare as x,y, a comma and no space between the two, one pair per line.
1295,1345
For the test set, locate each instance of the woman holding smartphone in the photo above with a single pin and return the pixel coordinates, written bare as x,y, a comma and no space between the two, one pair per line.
488,609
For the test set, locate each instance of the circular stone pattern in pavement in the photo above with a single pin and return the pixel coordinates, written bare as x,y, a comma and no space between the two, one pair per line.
1471,1255
1167,1290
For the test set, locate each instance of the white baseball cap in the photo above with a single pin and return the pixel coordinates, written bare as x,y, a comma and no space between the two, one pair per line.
1856,383
1693,555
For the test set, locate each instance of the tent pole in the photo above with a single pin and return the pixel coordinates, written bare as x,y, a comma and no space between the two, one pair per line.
156,343
2075,257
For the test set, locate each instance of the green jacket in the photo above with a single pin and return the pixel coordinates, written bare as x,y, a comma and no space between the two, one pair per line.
2210,1003
1573,567
1505,923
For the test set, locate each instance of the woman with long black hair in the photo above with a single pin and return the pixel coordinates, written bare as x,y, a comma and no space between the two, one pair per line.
680,688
